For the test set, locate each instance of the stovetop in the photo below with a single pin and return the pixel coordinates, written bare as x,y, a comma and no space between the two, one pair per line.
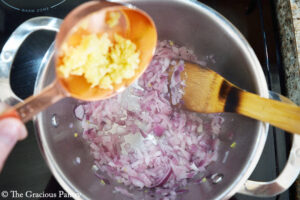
26,170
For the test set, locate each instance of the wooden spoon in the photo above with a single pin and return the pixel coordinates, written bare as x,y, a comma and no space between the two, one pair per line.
208,92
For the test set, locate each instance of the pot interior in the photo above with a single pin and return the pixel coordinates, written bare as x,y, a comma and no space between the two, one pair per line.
199,28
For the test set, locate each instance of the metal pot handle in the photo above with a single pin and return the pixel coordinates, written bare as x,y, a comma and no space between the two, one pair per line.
288,175
11,48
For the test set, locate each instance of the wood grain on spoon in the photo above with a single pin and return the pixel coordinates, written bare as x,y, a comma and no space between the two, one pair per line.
208,92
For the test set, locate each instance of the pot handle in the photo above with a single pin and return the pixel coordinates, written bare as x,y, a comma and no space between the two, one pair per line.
288,175
11,48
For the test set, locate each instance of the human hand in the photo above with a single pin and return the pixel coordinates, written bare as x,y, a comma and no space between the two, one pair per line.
11,131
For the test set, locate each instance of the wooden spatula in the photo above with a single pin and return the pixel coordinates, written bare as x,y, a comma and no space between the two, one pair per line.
208,92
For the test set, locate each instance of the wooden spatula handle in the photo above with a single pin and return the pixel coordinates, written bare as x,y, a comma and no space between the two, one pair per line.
282,115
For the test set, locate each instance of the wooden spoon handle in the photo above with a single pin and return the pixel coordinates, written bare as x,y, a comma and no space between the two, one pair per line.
282,115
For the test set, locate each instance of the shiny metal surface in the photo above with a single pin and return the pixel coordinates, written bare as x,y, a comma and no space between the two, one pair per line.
10,50
288,175
206,33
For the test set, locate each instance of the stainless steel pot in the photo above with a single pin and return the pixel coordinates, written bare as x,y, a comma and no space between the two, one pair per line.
188,23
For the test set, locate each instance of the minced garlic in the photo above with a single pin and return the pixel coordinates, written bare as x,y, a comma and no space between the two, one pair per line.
101,61
113,19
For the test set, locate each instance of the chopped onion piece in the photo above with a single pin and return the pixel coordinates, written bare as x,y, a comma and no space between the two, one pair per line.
140,139
79,112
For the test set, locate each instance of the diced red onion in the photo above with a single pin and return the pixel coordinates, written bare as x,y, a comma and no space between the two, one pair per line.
164,179
79,112
105,180
140,139
180,191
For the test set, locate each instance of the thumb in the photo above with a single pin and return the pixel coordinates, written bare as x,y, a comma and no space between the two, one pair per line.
11,130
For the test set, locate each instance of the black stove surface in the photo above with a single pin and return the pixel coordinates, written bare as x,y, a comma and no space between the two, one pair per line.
26,170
